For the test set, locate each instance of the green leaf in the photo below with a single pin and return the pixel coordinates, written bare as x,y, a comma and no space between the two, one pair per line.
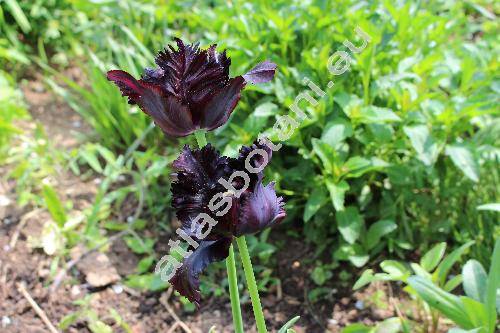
320,275
474,280
336,131
452,283
54,205
99,327
492,287
314,203
18,15
423,143
266,110
432,258
495,207
326,154
389,325
448,262
377,230
289,324
337,193
464,161
476,312
68,320
357,328
365,279
349,223
395,269
374,114
448,304
144,264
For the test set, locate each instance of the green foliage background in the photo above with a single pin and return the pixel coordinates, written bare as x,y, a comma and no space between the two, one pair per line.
397,156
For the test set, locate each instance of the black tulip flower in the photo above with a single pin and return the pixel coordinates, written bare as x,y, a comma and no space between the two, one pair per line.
197,182
191,88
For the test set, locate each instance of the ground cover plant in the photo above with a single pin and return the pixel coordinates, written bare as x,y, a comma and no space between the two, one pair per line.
394,155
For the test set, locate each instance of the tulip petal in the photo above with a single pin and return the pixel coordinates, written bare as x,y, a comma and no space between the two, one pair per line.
261,73
259,209
197,173
220,107
186,279
128,85
167,111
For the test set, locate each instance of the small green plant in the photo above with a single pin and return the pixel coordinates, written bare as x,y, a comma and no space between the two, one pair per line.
90,317
431,285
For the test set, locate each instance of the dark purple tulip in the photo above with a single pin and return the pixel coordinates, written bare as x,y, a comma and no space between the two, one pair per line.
191,88
197,175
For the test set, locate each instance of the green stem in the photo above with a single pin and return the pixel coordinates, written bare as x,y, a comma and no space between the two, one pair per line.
252,285
200,138
233,292
230,264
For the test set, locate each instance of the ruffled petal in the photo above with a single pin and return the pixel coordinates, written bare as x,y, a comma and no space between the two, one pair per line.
128,85
220,107
197,175
259,209
191,74
186,279
261,73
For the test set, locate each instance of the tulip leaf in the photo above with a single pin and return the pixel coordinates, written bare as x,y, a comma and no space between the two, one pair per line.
446,303
432,258
474,280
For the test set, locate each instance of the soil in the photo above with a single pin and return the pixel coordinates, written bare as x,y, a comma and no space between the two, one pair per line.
22,265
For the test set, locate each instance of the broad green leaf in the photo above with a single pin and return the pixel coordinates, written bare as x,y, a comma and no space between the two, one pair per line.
54,205
365,279
326,154
350,223
336,131
474,280
395,269
459,330
337,193
377,230
463,159
432,258
492,286
423,143
476,312
266,110
389,325
374,114
448,304
491,206
444,267
314,202
420,271
359,260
